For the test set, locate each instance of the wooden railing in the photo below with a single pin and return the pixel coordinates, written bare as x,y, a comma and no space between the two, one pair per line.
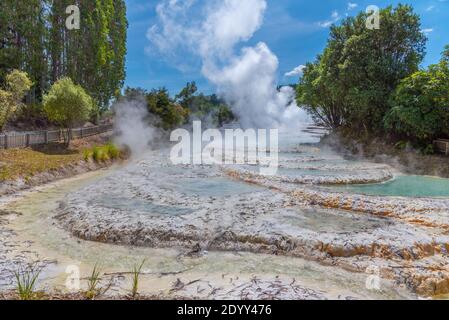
27,139
442,146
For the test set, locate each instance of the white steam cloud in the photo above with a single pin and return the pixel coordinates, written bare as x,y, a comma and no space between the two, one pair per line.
247,80
132,129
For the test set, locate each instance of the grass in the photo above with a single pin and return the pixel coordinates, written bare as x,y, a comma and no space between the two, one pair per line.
137,269
26,163
26,282
92,283
102,153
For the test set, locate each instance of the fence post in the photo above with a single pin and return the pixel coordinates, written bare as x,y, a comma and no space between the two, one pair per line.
27,140
46,137
81,133
6,141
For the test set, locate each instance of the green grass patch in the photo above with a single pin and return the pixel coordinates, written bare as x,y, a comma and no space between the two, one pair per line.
26,282
102,153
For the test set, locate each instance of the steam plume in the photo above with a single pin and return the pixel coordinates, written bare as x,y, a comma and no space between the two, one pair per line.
247,80
132,127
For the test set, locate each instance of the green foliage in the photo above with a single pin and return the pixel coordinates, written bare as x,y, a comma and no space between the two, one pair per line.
137,269
445,54
186,96
32,115
102,153
22,44
92,283
17,85
67,104
170,113
34,38
205,108
6,107
224,115
420,105
26,282
351,82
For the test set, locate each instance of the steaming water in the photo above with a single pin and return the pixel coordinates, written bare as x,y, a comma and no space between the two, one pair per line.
214,187
405,186
36,231
332,221
51,242
139,206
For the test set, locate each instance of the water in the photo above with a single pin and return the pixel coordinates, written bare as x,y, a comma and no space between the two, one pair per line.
404,186
214,187
332,221
139,206
219,269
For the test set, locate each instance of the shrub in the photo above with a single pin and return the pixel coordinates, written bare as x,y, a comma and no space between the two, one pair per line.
103,153
17,85
420,105
26,282
67,104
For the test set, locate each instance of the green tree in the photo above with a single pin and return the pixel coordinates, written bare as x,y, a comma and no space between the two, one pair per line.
445,54
169,112
186,96
22,42
420,110
17,85
351,82
68,104
34,38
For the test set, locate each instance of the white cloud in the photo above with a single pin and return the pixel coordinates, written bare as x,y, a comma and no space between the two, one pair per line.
296,71
335,16
427,30
430,8
352,6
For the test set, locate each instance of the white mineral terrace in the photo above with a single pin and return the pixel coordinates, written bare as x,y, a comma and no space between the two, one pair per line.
229,232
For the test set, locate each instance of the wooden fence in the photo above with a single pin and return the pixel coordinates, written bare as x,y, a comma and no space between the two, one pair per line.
27,139
442,146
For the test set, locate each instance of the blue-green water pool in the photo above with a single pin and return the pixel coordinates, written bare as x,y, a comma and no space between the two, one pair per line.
404,186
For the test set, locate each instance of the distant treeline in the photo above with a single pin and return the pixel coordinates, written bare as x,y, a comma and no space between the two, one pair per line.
368,83
184,107
34,39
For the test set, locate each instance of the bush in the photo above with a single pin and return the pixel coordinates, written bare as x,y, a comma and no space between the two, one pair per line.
350,83
103,153
17,85
420,105
67,104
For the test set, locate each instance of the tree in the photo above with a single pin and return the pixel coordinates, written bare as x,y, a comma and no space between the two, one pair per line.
207,108
351,82
17,85
445,54
187,94
420,105
67,104
169,112
34,38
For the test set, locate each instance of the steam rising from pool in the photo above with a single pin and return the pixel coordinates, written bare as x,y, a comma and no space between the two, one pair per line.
247,80
131,125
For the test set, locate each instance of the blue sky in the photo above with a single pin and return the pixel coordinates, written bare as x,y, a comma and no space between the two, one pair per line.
295,30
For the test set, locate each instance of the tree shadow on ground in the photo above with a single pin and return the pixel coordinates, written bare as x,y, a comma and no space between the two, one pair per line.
54,149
